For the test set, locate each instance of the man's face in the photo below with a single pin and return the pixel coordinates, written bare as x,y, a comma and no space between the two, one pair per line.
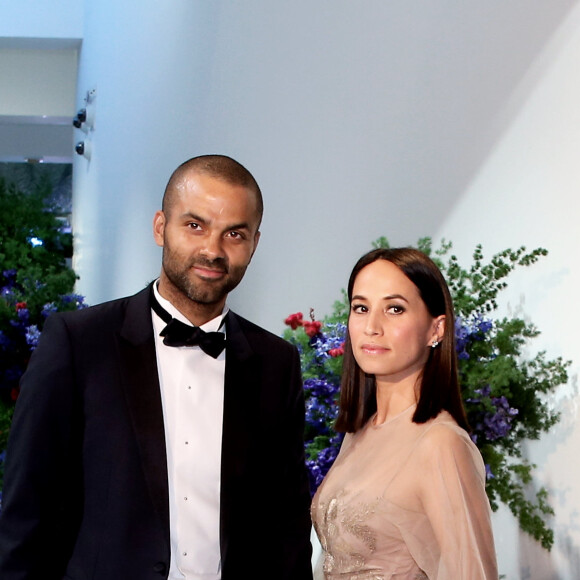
209,235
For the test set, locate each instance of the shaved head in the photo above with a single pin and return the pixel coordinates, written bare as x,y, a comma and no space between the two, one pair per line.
217,166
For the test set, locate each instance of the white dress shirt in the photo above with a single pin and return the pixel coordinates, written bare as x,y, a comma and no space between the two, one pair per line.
192,393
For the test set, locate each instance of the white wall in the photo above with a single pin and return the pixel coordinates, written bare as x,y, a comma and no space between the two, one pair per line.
359,120
526,192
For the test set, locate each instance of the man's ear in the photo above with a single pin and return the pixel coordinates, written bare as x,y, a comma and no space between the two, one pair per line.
159,228
256,240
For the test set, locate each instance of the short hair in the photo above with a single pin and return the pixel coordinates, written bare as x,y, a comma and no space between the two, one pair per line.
439,383
218,166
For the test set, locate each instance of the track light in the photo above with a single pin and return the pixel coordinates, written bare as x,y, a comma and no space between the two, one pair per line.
80,118
83,148
85,117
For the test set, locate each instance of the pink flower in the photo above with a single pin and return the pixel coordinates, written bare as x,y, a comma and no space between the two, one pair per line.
312,328
21,306
336,352
294,320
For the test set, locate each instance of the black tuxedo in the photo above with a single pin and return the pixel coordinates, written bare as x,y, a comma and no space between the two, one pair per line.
86,493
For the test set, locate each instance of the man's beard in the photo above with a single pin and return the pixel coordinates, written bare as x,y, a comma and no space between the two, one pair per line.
201,291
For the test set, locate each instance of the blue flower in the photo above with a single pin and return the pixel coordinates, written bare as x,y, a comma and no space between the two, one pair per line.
318,467
467,331
332,337
23,314
7,292
32,336
321,408
488,472
498,424
492,425
48,309
10,276
76,300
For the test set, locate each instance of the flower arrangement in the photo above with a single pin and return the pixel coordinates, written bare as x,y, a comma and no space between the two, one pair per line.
503,392
35,281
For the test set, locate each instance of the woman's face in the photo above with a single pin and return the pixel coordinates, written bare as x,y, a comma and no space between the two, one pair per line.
390,328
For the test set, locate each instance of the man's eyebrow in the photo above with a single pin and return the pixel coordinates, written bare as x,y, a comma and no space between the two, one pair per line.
191,215
238,226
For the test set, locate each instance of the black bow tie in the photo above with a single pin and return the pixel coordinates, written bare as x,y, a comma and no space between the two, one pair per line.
176,333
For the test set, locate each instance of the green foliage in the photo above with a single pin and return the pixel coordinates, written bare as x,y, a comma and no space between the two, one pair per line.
35,280
497,362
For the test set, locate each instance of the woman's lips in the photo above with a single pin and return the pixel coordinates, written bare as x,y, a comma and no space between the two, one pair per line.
374,349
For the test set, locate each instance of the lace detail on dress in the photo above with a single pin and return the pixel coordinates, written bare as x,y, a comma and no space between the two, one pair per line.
337,526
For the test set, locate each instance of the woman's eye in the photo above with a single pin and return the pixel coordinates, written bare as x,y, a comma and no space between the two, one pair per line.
395,309
359,308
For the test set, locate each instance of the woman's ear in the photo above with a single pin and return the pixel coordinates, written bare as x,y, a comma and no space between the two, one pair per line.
438,329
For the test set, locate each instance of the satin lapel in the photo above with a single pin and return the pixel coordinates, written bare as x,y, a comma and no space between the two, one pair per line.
140,381
241,403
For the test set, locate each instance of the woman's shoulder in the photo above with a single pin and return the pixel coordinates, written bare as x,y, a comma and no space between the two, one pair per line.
446,448
443,433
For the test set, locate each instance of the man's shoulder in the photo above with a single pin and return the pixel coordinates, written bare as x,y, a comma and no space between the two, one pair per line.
105,310
260,336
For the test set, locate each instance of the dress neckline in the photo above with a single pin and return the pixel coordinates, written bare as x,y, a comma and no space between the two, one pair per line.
391,419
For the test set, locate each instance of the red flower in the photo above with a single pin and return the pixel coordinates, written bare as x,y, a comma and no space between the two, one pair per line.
336,352
294,320
312,328
21,306
14,393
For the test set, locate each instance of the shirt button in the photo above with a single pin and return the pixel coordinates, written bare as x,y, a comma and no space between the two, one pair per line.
160,568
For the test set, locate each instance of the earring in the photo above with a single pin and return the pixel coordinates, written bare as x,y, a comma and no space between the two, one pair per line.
435,344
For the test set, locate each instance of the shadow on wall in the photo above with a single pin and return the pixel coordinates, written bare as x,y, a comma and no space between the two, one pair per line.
535,563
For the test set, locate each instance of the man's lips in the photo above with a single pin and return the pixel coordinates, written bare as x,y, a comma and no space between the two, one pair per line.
210,273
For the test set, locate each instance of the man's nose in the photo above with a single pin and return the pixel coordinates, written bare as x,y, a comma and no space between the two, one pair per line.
213,247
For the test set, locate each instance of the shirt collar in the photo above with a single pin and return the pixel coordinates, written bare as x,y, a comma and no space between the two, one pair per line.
213,325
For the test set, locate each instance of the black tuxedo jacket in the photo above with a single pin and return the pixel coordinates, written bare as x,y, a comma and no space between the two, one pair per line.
86,493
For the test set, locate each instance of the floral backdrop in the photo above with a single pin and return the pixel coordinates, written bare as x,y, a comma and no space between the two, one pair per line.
35,280
504,392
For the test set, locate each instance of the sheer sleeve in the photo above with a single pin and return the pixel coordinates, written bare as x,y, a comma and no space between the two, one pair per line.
452,493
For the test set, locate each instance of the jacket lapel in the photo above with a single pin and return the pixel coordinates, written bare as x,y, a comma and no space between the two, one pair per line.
140,380
241,403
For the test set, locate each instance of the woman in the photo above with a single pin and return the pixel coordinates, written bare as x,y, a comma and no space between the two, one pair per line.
405,498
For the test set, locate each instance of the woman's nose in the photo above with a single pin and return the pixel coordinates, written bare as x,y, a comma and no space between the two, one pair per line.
373,326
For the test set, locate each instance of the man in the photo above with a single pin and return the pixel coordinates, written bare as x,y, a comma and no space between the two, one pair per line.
133,453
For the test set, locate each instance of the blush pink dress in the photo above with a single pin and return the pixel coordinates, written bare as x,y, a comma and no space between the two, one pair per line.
406,501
